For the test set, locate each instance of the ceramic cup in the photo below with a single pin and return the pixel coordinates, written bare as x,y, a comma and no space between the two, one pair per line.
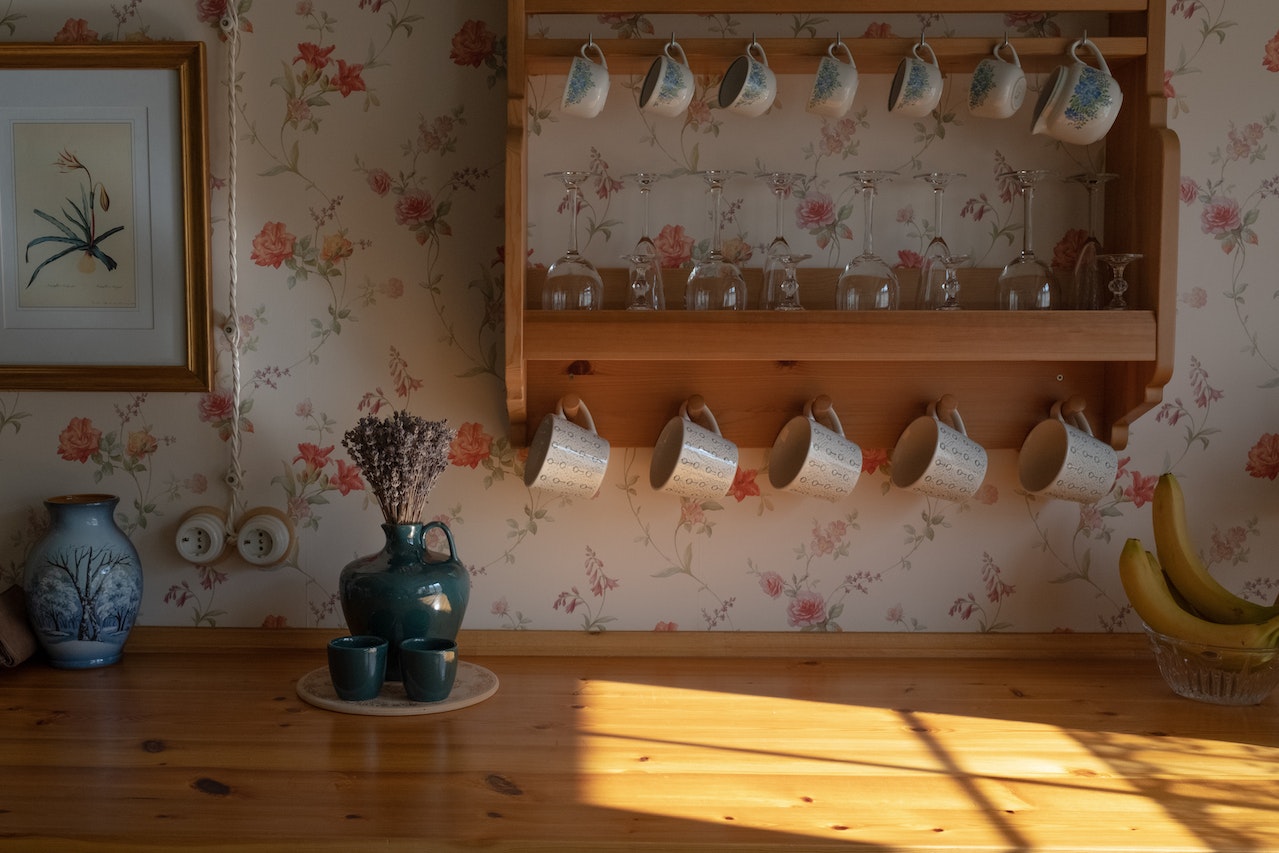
937,458
749,85
429,668
357,666
812,458
1062,459
566,457
693,460
999,85
836,82
668,87
1078,103
917,85
587,85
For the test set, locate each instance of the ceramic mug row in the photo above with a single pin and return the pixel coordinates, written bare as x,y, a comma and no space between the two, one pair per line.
813,457
1078,104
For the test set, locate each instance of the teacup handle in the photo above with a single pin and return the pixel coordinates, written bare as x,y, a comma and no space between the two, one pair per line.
570,406
1096,52
1007,44
926,46
821,408
838,45
1072,408
599,51
695,409
947,409
756,46
673,47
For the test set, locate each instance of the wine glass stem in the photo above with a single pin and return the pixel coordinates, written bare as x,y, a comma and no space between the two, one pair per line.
1028,204
868,206
779,192
938,192
573,195
716,247
1093,195
644,225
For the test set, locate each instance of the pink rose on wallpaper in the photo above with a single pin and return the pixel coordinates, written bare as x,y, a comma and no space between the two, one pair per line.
348,78
1263,457
674,247
314,56
473,44
1189,190
1271,60
216,406
744,485
75,31
347,479
815,210
878,31
1067,248
666,626
1196,297
273,245
1220,216
471,446
274,620
141,444
379,181
988,494
873,460
414,207
906,259
806,608
772,584
79,441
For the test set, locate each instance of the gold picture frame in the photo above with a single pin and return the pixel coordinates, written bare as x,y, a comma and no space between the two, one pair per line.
104,217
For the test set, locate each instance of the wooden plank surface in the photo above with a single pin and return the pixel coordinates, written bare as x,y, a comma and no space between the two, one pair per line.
205,746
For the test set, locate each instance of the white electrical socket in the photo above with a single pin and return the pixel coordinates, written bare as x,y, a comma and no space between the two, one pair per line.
264,537
201,536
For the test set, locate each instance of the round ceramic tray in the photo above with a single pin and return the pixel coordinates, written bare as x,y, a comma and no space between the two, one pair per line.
474,684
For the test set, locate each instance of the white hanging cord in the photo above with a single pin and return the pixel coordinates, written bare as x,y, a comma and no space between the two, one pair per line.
230,24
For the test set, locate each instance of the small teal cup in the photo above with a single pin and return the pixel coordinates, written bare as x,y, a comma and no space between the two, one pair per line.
428,667
357,666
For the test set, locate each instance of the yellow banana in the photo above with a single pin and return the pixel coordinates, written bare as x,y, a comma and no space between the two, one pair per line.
1153,601
1187,572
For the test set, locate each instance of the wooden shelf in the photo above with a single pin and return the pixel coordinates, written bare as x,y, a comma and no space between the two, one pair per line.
756,369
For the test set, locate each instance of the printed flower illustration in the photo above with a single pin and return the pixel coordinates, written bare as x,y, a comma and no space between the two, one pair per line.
79,231
1270,61
1263,457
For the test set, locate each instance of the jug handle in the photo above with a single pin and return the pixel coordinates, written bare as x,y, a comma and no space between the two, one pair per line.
448,534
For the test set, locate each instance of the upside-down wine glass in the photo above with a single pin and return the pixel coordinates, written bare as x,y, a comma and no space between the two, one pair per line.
868,283
788,287
774,269
950,282
642,295
933,273
654,297
715,284
1027,283
572,282
1117,261
1087,295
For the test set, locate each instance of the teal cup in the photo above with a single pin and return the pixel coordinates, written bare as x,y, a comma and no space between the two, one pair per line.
428,667
357,666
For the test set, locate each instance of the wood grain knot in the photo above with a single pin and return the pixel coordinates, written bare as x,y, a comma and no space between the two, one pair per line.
212,787
503,785
581,367
153,745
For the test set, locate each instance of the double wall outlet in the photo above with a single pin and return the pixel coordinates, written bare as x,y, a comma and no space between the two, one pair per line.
264,537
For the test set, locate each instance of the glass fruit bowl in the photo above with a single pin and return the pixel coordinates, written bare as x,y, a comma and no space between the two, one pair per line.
1219,674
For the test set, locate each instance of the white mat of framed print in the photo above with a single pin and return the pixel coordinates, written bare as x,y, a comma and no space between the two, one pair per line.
103,217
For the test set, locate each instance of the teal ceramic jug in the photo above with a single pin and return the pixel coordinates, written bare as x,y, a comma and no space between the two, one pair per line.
404,591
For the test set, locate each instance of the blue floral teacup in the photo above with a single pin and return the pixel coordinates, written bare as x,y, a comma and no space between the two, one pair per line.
587,85
1078,103
835,84
998,86
917,85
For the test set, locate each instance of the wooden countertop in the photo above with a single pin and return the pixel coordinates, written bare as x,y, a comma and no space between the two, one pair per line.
197,741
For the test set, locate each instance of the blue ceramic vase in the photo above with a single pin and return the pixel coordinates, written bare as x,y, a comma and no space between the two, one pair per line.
83,583
403,591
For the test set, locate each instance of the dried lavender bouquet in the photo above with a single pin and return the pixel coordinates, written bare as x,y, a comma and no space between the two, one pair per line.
401,457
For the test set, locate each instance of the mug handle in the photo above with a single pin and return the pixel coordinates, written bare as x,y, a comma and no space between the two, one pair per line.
570,406
675,46
754,45
1007,44
599,51
836,45
947,408
1096,52
695,409
926,46
820,408
1072,408
448,534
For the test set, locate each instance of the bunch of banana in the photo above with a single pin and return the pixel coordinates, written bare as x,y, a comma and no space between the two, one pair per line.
1156,604
1186,572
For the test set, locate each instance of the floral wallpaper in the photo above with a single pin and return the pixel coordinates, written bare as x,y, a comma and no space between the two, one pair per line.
368,261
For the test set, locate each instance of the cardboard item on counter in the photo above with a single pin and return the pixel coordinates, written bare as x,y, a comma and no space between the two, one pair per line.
17,643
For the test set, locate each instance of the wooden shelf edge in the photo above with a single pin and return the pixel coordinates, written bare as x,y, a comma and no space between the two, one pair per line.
692,7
